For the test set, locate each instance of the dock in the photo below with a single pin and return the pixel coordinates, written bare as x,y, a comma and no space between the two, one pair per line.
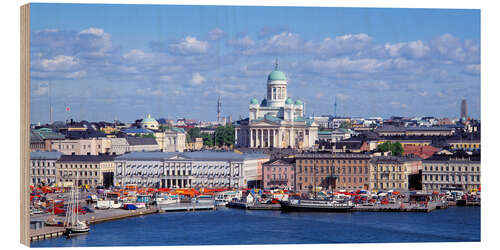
243,205
41,232
404,207
194,206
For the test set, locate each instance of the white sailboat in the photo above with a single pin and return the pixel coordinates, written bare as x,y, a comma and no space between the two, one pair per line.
73,225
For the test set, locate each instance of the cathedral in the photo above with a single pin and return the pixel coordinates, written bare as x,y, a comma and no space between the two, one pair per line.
277,122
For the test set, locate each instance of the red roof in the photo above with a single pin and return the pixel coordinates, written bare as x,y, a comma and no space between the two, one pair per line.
423,152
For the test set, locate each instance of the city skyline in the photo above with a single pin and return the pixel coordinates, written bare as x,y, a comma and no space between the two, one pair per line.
375,62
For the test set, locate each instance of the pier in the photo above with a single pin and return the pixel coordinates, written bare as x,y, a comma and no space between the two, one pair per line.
195,206
243,205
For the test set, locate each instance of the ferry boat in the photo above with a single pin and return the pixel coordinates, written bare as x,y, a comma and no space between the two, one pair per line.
222,199
315,205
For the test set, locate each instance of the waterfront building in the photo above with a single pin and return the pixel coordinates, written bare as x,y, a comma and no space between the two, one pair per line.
393,172
459,170
279,173
334,171
277,122
92,170
93,146
171,140
188,169
43,168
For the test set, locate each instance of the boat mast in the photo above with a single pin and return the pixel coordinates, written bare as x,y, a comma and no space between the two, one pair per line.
75,199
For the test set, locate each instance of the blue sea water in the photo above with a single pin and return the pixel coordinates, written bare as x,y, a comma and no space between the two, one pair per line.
227,226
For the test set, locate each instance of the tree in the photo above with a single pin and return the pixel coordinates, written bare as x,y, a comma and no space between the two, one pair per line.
207,139
394,147
345,125
193,133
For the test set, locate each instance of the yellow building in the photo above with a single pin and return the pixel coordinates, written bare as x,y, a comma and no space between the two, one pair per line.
390,172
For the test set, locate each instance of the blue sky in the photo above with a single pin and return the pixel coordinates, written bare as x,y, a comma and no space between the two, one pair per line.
126,61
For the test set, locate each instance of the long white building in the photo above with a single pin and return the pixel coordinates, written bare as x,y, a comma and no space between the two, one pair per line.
189,169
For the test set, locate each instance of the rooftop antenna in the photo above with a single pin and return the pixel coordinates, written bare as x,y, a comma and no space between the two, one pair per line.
50,107
335,107
219,106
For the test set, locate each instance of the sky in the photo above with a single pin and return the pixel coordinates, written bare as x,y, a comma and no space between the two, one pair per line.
123,62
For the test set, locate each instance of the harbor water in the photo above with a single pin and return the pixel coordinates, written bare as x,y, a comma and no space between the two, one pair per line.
227,226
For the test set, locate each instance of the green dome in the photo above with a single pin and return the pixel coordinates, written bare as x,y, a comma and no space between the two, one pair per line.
298,102
254,101
149,119
289,101
276,75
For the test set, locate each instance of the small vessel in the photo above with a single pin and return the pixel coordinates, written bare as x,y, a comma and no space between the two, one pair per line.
73,225
315,205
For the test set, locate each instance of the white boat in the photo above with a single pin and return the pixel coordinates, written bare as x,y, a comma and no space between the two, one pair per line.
73,225
167,200
223,198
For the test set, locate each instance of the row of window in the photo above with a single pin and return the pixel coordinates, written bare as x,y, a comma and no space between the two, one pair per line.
350,170
447,168
42,164
333,161
389,185
285,176
389,176
80,173
389,168
79,166
43,171
452,177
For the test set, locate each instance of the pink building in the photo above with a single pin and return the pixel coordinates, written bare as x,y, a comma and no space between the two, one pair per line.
279,173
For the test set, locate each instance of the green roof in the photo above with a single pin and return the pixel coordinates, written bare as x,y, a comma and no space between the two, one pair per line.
254,101
289,101
276,75
298,102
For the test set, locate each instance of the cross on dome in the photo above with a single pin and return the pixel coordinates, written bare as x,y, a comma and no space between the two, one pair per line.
276,64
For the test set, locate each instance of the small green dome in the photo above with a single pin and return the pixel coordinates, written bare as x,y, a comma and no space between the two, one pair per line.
264,102
149,119
254,101
289,101
276,75
298,102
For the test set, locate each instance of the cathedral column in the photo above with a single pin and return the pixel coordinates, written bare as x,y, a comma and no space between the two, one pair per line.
262,138
268,131
280,144
251,138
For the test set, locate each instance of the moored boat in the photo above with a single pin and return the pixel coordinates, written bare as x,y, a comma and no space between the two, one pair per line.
312,205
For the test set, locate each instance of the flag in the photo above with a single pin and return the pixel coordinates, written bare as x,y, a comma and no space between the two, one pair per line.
67,109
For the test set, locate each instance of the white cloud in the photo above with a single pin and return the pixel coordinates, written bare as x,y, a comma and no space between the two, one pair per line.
242,42
342,97
58,63
190,45
150,92
350,43
165,78
42,89
137,55
93,31
197,79
76,75
472,69
216,34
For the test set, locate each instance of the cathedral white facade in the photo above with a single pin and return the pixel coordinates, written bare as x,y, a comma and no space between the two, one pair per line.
277,122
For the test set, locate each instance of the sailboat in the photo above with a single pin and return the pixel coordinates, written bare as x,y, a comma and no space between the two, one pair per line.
73,225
